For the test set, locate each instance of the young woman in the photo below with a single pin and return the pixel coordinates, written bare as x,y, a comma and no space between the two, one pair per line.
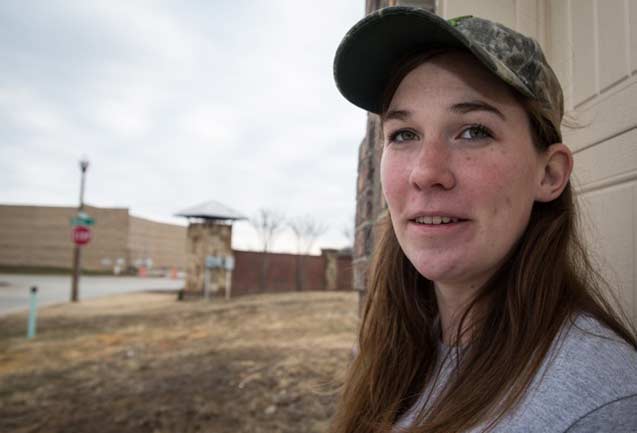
484,313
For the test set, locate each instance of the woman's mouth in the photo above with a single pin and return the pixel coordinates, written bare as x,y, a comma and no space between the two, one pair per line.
436,220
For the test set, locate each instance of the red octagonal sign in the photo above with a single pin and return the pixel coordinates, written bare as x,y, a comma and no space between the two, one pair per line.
81,235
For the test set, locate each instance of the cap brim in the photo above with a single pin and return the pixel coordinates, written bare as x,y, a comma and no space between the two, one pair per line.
371,50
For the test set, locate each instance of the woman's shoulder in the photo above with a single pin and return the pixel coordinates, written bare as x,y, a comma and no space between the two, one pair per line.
588,354
589,373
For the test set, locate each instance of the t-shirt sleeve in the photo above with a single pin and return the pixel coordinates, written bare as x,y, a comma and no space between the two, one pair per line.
619,416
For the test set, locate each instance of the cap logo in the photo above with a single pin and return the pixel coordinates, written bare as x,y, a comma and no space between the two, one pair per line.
455,21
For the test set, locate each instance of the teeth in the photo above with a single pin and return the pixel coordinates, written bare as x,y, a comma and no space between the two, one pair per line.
435,220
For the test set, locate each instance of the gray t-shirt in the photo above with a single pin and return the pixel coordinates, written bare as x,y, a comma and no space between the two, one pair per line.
588,383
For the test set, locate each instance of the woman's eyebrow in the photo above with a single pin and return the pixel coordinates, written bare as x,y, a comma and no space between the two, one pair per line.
468,106
397,115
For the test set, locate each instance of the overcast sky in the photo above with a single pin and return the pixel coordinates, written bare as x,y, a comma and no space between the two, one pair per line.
176,103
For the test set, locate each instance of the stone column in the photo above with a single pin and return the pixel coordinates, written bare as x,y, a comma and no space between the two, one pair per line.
330,257
206,239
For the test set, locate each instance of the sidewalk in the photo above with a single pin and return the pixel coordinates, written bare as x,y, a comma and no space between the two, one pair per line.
54,289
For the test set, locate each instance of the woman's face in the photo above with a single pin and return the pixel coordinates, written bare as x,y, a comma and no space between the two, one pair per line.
459,170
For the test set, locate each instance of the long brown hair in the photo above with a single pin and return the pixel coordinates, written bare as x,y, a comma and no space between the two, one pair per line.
545,281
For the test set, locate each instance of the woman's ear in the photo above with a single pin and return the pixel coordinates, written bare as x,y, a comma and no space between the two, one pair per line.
558,164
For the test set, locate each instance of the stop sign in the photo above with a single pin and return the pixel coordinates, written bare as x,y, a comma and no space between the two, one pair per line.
81,235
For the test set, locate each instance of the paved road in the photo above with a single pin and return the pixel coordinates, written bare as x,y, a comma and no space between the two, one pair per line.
55,289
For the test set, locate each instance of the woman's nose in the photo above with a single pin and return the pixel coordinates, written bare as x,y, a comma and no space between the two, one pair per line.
431,169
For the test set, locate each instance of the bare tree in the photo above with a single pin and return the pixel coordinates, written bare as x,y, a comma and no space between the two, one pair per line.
306,230
348,231
268,224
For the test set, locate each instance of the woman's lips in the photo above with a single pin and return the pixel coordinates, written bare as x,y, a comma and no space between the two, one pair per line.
437,223
436,216
436,219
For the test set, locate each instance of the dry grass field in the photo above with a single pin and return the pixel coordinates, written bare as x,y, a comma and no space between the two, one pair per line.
146,363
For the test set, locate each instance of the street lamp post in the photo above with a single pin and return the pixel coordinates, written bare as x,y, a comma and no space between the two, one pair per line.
76,251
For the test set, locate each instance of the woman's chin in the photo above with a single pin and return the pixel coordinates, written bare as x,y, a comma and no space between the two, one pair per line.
438,271
446,273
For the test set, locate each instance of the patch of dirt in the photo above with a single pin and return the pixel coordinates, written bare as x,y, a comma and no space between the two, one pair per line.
147,363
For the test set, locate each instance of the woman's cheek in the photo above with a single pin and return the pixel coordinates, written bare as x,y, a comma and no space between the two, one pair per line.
392,172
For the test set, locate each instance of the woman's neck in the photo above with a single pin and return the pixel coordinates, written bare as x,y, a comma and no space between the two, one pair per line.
452,304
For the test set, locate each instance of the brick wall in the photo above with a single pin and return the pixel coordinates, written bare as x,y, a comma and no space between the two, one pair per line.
281,275
281,272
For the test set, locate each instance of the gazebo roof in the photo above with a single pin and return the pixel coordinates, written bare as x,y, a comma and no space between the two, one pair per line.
211,210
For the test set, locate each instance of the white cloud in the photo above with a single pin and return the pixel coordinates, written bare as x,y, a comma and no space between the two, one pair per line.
210,124
26,110
123,118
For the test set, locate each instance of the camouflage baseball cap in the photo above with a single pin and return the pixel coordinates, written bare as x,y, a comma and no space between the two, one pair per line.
370,52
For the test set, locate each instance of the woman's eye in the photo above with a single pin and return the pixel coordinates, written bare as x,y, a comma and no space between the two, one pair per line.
476,132
403,135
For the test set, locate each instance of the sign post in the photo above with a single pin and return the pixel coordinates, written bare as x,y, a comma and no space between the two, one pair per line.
80,220
33,312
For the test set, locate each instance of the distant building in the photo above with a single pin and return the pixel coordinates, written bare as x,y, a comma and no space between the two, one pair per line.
40,237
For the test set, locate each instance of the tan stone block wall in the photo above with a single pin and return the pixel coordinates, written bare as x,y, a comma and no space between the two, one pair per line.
164,243
30,235
40,236
109,238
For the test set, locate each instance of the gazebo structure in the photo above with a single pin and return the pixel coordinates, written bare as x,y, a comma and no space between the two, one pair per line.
209,258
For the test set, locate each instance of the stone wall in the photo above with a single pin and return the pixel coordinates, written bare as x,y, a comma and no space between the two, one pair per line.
370,205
